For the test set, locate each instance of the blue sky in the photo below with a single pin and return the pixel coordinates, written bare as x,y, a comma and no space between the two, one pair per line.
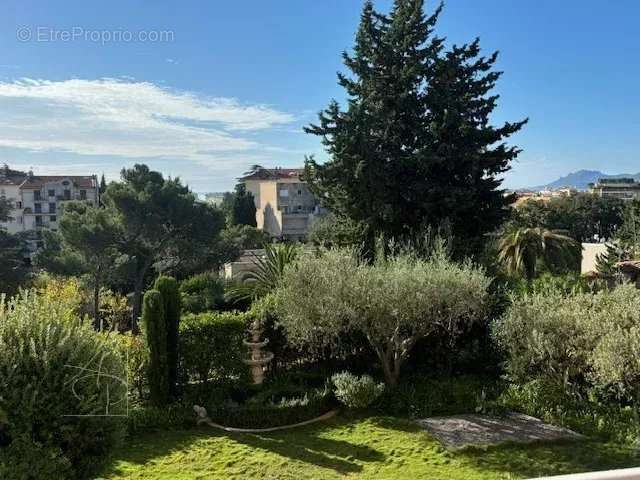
205,89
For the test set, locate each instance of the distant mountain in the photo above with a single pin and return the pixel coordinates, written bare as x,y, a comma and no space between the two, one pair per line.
581,179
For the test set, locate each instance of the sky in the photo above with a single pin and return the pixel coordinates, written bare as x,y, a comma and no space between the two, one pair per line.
205,89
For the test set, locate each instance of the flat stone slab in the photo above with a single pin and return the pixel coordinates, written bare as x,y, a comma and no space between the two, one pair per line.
466,430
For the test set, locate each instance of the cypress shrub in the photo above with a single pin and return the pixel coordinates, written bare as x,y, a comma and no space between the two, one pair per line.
153,319
168,288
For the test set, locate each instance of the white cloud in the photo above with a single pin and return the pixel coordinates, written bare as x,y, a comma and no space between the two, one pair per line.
128,119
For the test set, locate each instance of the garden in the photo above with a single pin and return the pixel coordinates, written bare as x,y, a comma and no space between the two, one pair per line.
377,344
423,294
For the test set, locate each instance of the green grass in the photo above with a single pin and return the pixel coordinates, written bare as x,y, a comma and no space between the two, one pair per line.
374,448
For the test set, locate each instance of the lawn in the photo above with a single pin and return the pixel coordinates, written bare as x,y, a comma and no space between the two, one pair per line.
375,448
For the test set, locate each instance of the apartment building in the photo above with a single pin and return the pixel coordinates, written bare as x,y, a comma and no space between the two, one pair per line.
36,199
285,206
623,188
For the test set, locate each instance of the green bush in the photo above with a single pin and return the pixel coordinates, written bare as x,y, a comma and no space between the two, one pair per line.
201,293
211,347
579,340
273,405
155,328
55,373
262,412
418,396
601,418
356,392
168,288
394,302
135,354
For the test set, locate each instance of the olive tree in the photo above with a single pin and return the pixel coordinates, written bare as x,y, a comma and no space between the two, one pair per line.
394,302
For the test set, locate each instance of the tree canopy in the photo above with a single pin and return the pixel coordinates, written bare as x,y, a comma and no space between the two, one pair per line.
414,145
162,223
584,216
239,207
393,302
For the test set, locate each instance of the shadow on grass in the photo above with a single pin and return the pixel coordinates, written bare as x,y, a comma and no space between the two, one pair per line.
549,458
305,445
146,447
302,444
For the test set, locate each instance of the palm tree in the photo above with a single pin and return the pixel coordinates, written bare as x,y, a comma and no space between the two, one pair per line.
267,272
522,249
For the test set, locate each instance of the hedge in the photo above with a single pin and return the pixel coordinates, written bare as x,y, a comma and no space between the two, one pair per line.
211,347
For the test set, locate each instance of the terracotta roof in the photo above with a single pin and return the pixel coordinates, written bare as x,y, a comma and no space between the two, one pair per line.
38,181
274,174
11,180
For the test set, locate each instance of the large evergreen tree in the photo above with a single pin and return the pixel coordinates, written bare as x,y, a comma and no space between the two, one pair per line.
163,224
414,145
239,207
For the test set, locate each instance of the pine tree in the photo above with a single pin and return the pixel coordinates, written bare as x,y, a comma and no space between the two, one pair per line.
239,207
168,288
153,318
414,146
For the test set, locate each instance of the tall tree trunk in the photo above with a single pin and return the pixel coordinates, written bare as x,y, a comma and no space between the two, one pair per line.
390,367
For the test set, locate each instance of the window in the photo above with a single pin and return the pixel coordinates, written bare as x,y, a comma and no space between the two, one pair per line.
284,193
52,208
83,194
52,218
37,207
18,204
39,220
52,193
37,194
299,207
67,194
299,192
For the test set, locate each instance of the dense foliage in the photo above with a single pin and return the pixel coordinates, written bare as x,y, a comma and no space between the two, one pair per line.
525,251
13,268
356,391
155,328
211,348
239,207
577,341
163,224
585,217
59,378
168,288
395,302
201,292
89,237
415,143
333,231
